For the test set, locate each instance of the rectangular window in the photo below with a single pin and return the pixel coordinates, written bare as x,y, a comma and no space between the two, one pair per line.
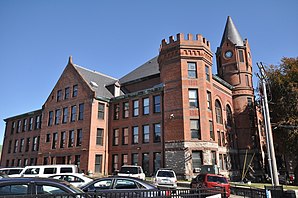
59,95
79,137
75,91
62,139
19,126
78,161
157,132
213,157
25,124
115,163
145,106
209,104
146,134
156,161
207,73
71,138
156,100
65,115
81,111
48,137
218,138
211,130
193,98
27,145
22,145
116,137
99,137
134,159
98,163
192,70
57,116
145,163
221,162
197,159
30,124
249,101
241,57
195,129
67,91
13,126
16,146
247,80
124,159
135,135
223,139
125,136
73,113
54,141
101,111
9,146
125,109
135,108
38,122
116,111
50,121
34,145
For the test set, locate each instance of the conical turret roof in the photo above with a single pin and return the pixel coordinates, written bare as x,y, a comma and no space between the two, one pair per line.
231,33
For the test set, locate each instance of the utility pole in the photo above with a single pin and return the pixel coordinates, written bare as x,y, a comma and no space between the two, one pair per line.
270,146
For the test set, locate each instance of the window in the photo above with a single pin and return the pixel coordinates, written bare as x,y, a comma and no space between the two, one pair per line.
9,146
79,137
157,132
73,113
247,80
125,136
209,105
19,126
134,159
156,100
22,145
30,124
50,121
156,161
16,145
135,135
35,144
38,122
249,102
197,159
124,159
62,139
57,116
241,57
99,137
71,138
81,111
14,189
135,108
59,95
78,160
192,70
25,124
48,137
211,130
65,115
27,145
116,137
193,98
67,90
218,112
116,111
207,73
213,157
145,163
229,116
195,129
101,111
223,139
98,162
13,126
218,138
145,106
75,91
115,163
54,141
125,109
146,134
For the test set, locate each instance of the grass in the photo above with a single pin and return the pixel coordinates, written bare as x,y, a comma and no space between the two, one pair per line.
261,185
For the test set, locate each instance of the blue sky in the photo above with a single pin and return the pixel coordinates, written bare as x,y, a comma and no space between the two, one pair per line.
114,37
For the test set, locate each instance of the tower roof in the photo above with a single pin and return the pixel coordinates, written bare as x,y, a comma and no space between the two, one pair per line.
231,33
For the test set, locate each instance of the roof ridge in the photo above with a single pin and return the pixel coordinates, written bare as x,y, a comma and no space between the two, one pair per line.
94,71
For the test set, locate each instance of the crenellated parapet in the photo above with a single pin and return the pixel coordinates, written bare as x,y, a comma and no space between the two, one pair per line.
191,46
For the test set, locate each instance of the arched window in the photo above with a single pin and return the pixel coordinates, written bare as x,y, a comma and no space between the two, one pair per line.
229,116
218,112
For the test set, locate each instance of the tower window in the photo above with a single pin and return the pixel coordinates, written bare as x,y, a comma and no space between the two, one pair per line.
209,100
195,129
193,98
207,73
192,70
241,57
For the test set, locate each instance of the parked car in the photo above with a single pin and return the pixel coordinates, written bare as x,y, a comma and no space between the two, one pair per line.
123,187
132,171
76,179
10,187
211,181
48,170
12,172
165,178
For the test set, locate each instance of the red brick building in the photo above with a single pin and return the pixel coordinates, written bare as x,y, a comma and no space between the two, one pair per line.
169,112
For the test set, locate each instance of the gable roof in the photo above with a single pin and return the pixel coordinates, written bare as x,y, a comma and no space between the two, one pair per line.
149,68
96,81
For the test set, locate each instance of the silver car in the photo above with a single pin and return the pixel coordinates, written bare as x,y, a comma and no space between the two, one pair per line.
165,178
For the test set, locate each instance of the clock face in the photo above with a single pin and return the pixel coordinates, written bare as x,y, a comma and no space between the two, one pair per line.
228,54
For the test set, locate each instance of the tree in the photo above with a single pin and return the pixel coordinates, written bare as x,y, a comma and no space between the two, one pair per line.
283,104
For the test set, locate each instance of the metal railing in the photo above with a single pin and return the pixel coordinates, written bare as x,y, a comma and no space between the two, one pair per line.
248,192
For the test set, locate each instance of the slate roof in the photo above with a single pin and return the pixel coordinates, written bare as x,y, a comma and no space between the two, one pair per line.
231,33
94,78
149,68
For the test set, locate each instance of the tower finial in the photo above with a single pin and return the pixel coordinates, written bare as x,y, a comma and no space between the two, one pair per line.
231,33
70,60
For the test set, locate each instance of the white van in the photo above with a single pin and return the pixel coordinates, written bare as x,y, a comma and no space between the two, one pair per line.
12,172
48,170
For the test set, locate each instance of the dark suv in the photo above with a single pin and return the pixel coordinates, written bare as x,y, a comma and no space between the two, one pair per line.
211,181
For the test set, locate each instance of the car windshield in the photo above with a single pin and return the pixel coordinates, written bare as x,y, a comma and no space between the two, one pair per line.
217,179
129,170
165,174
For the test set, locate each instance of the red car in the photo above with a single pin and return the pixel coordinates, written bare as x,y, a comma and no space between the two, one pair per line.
211,181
